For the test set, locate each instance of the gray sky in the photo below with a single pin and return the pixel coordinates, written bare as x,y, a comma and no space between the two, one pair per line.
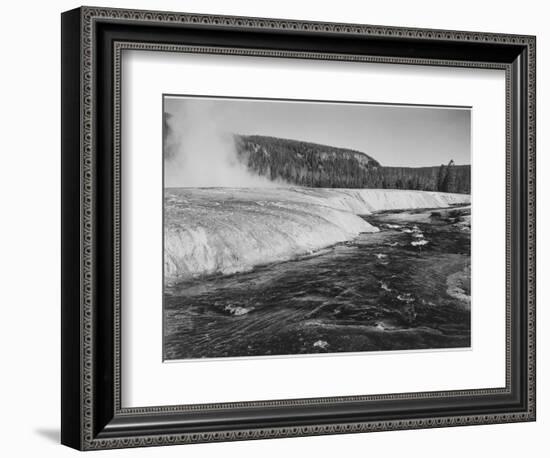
393,135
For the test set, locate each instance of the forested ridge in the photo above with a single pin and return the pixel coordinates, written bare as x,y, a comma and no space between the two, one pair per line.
315,165
304,163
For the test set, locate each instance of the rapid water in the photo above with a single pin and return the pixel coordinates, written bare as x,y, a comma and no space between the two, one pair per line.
228,230
297,271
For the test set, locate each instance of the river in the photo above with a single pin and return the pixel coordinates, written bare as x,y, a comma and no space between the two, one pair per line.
406,287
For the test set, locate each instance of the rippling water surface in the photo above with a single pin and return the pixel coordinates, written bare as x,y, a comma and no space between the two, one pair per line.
404,287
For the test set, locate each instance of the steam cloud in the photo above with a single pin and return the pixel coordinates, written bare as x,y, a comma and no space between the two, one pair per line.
199,149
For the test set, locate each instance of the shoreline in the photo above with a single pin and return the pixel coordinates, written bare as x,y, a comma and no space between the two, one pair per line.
236,230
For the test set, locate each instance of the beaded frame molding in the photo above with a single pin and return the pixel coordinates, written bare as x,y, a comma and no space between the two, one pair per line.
93,40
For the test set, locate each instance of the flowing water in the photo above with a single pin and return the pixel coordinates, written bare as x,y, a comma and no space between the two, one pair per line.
390,280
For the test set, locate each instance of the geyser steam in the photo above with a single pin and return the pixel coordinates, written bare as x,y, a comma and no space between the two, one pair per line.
199,147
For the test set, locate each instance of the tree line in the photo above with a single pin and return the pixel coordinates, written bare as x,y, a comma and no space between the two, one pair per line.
314,165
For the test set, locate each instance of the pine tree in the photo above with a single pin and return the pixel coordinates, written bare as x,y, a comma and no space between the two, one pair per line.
441,176
449,182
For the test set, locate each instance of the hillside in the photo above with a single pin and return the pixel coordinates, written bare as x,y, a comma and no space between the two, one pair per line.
305,164
323,166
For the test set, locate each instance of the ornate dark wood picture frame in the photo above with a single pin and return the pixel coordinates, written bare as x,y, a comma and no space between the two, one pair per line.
93,416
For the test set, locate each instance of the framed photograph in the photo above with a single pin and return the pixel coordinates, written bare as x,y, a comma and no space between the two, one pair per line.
276,228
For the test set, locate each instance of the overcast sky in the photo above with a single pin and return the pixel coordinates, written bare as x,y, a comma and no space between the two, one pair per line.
393,135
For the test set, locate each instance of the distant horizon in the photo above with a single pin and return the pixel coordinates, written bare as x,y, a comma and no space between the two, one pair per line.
199,149
349,149
395,135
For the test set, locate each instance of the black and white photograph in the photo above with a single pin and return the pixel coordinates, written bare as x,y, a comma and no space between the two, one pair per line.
277,222
296,227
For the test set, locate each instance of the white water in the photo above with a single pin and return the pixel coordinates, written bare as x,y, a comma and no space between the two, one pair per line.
228,230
